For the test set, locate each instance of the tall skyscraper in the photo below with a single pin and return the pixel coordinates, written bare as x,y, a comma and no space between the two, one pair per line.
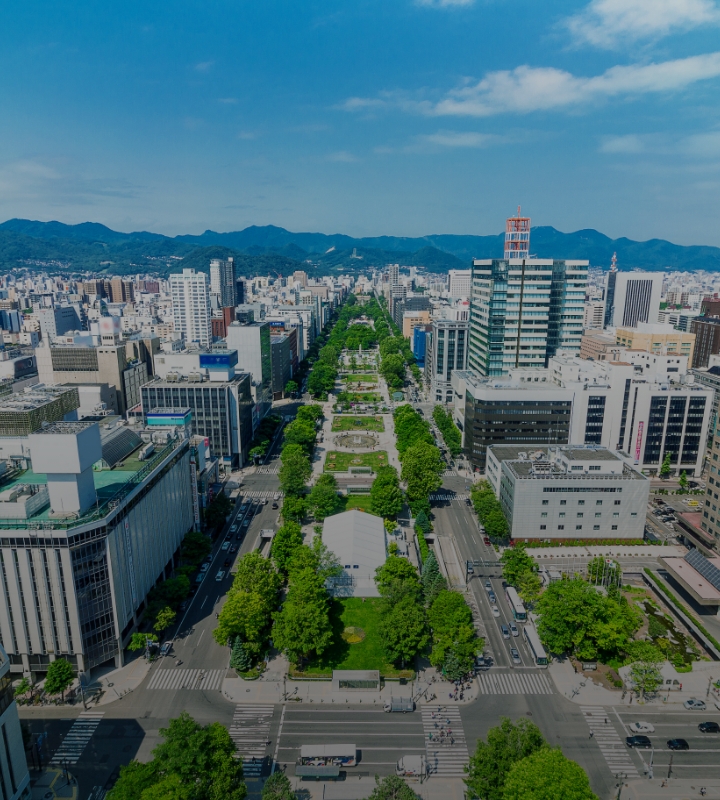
223,282
191,306
523,311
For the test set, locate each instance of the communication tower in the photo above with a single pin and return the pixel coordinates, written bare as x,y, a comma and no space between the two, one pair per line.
517,236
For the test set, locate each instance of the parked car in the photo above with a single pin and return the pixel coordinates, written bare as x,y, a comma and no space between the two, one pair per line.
495,610
208,558
205,567
638,741
200,577
274,505
166,648
641,727
709,727
481,662
220,575
515,656
694,705
246,523
505,631
486,540
513,629
184,605
678,744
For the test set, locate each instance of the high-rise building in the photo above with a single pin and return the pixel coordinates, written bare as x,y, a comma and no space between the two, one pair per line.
191,306
223,282
523,311
594,314
254,353
632,297
448,342
706,331
459,283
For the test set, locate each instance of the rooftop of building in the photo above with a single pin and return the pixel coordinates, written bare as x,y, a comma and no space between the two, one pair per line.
64,428
33,397
111,484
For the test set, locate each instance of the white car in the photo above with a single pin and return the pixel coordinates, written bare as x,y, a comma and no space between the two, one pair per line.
220,575
205,567
495,610
641,727
225,545
694,705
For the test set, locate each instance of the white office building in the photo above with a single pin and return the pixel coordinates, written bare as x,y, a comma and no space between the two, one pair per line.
81,546
570,492
459,283
191,306
632,297
594,314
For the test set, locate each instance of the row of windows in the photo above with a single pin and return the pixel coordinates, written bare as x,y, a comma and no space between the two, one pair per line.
578,527
581,502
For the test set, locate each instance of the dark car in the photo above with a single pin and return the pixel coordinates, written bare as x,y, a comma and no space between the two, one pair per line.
678,744
274,505
193,589
486,540
709,727
227,562
234,549
638,741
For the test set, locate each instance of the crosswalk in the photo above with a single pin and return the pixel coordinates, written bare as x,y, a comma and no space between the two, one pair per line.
256,495
613,748
77,737
267,470
207,679
449,473
446,752
514,683
449,495
250,730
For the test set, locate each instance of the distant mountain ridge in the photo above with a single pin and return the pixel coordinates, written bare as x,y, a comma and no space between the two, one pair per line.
93,246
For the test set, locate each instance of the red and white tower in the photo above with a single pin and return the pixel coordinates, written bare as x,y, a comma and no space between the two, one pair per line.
517,236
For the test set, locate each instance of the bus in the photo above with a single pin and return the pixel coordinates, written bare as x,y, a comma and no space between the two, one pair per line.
328,755
535,645
516,605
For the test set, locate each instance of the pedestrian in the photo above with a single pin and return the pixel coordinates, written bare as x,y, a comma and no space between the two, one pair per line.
631,699
450,695
703,791
663,784
592,733
606,722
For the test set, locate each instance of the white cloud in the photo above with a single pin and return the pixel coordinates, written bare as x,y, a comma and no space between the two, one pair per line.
622,144
527,89
342,156
458,139
228,101
610,23
204,66
444,3
703,145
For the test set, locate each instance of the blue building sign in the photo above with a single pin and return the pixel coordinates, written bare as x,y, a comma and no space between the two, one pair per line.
219,360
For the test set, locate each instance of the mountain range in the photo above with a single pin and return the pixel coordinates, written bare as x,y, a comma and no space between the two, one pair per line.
90,246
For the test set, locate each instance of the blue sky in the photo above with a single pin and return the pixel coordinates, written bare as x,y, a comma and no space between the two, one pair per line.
402,117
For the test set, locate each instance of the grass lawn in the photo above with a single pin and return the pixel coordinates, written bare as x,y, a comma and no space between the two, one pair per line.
361,378
359,397
340,462
358,424
367,654
351,501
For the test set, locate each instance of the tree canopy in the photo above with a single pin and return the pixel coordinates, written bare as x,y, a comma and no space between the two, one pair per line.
547,775
386,497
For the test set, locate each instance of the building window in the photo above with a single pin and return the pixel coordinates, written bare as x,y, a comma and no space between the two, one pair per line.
561,527
543,527
563,502
578,527
616,514
596,527
616,502
562,514
633,513
544,514
598,513
598,502
579,514
614,527
581,502
545,502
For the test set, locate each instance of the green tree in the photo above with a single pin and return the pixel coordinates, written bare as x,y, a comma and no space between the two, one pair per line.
392,368
432,579
576,619
195,546
165,618
295,469
302,627
451,622
287,538
422,522
278,787
386,497
294,509
421,470
391,787
239,657
247,615
257,574
529,586
191,763
291,387
604,572
516,561
257,453
547,775
175,590
492,760
683,480
396,579
59,676
644,651
404,631
301,432
665,467
323,498
646,677
216,513
496,525
22,688
139,641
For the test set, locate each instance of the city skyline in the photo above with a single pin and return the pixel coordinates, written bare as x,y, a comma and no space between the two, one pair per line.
366,119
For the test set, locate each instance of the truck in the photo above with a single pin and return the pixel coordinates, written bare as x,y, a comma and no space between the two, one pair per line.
399,704
413,767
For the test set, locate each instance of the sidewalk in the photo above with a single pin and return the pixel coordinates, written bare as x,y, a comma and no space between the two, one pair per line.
121,681
51,783
274,687
360,787
675,789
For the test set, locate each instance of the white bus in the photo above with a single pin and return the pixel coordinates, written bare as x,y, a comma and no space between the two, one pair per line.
535,645
516,604
328,755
